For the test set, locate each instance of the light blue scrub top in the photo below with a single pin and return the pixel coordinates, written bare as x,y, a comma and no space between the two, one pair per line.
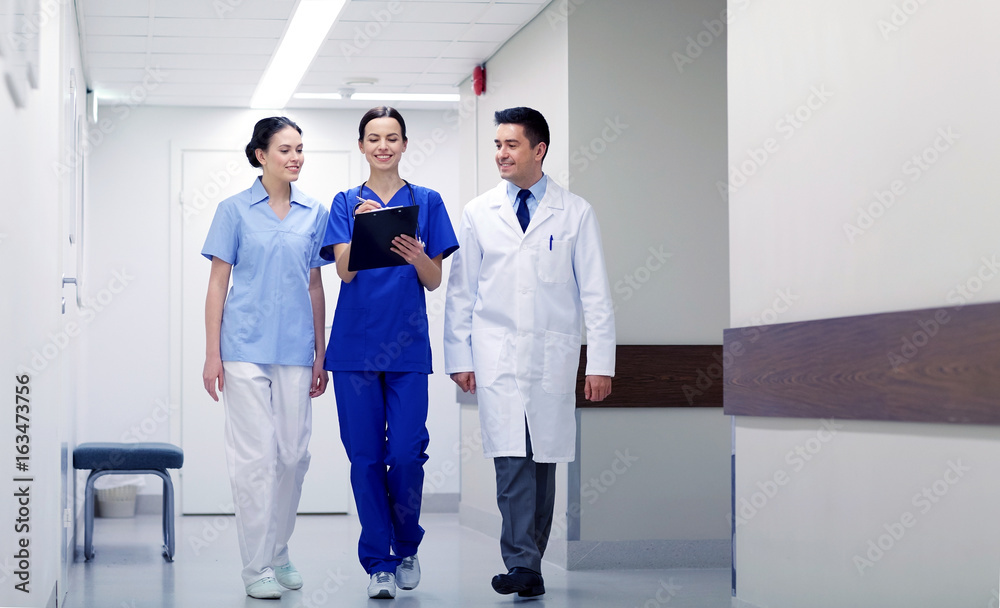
381,319
268,314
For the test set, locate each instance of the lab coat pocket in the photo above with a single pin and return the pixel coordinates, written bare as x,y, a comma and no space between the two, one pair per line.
555,263
562,360
349,328
487,349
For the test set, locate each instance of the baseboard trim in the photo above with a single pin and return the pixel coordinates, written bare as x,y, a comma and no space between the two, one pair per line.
614,555
440,503
645,554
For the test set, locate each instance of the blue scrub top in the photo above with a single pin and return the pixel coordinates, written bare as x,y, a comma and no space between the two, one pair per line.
381,320
268,315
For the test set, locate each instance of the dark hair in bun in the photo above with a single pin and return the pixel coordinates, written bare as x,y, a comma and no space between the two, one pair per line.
381,112
263,131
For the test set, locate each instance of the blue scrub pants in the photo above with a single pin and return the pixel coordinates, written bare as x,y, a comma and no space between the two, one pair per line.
383,424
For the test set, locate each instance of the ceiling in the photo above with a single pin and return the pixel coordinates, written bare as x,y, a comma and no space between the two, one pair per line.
213,52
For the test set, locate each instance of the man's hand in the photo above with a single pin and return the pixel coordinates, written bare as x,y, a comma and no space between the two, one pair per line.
596,388
467,381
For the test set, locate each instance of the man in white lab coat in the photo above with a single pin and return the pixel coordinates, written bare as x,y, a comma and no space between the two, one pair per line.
528,276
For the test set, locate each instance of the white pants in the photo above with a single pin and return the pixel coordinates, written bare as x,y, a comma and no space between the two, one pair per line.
268,424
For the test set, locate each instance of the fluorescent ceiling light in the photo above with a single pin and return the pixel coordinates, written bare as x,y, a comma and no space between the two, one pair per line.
384,96
306,32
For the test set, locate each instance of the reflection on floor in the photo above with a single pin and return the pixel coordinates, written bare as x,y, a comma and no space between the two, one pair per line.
458,563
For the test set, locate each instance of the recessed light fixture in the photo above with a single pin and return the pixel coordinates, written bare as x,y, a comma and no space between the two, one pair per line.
383,96
306,32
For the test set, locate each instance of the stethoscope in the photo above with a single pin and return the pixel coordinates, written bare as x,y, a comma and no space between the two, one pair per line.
413,201
361,190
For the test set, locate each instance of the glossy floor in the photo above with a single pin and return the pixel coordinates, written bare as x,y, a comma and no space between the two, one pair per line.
458,563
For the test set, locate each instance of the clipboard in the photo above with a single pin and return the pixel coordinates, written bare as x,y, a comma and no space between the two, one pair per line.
373,234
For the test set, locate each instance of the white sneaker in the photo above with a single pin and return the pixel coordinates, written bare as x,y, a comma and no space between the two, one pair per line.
288,576
265,589
382,586
408,573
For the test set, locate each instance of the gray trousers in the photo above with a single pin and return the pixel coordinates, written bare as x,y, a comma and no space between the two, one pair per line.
526,496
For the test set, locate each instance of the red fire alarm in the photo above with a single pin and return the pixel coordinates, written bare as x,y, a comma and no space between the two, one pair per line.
479,79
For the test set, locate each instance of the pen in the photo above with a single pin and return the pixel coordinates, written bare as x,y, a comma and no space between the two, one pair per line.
550,242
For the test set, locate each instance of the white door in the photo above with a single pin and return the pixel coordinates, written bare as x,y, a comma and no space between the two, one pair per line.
208,177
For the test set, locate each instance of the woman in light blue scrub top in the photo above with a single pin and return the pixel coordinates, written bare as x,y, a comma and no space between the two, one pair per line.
380,356
265,347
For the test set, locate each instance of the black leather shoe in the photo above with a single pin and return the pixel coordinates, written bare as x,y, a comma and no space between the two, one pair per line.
524,582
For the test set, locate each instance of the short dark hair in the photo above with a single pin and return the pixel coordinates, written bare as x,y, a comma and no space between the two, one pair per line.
263,131
535,127
381,112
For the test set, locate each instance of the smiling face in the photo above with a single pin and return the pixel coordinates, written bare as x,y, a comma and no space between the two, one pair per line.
518,162
283,159
383,143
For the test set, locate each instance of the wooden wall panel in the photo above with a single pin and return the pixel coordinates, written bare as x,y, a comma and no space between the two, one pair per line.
654,376
929,365
661,376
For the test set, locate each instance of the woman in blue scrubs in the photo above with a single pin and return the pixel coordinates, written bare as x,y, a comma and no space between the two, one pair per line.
265,347
380,356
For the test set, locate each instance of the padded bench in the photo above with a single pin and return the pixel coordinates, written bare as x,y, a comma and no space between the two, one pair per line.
129,459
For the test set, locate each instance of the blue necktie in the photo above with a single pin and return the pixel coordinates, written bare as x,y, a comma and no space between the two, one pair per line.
522,208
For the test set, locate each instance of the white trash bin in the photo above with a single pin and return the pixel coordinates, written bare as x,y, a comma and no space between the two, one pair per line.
116,495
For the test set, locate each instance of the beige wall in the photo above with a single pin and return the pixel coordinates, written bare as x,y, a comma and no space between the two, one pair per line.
644,145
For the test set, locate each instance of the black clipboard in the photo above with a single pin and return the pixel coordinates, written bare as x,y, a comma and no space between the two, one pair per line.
373,234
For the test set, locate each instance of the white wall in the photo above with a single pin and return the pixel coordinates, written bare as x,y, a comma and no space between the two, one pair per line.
129,352
38,340
867,135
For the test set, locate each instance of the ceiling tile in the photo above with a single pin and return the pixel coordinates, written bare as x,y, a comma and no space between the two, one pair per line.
220,28
213,52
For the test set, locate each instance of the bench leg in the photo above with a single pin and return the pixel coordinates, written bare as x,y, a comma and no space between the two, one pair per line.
168,516
88,515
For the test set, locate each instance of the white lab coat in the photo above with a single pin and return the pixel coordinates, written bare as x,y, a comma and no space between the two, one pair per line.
516,305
